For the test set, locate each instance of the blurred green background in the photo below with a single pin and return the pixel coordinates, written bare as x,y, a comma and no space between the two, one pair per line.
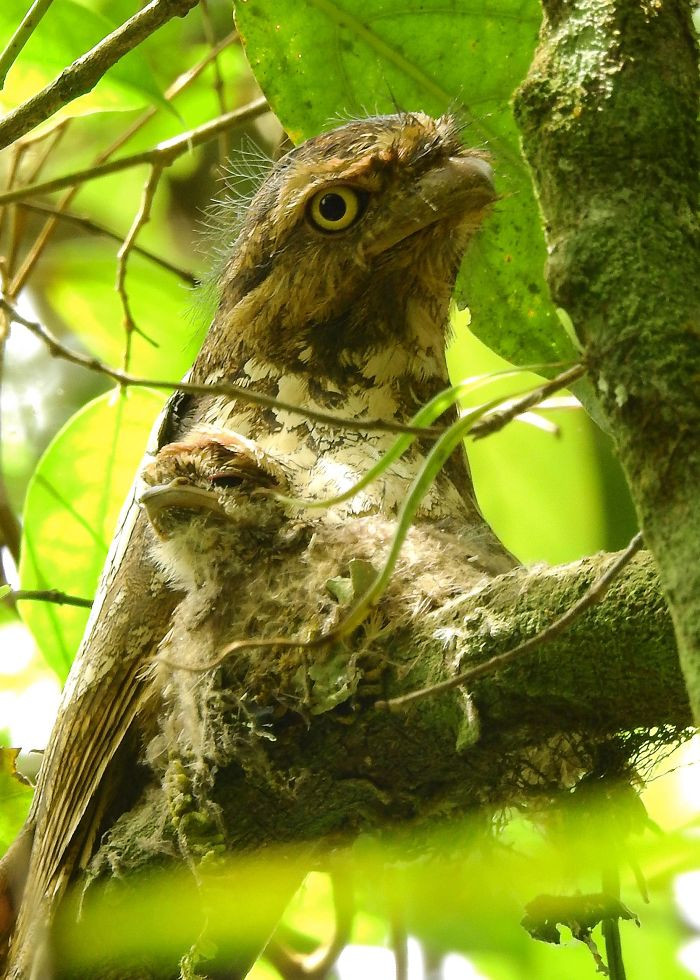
71,443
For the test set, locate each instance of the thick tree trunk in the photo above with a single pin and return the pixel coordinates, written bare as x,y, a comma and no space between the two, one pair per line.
609,121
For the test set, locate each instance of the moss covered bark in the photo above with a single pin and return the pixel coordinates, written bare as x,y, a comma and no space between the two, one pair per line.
608,118
568,707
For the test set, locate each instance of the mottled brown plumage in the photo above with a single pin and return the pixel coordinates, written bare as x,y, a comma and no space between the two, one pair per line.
347,314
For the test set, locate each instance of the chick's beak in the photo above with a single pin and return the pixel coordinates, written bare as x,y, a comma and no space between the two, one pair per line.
166,496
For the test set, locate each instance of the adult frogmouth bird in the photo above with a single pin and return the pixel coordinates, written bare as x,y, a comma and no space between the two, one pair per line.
334,297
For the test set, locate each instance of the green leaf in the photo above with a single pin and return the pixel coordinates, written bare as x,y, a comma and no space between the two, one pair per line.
72,505
66,31
330,59
15,797
542,493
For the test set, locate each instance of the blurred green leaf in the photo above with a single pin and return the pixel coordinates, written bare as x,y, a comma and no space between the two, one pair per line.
72,505
235,903
15,796
328,60
540,491
68,30
79,286
456,889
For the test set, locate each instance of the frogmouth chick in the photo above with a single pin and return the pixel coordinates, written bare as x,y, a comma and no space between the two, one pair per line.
202,506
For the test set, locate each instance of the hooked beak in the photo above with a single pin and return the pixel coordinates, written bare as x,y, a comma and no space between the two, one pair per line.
460,187
155,500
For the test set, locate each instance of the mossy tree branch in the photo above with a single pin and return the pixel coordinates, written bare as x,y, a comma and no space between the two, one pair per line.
610,131
505,740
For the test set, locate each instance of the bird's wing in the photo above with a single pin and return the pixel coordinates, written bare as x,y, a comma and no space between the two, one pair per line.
103,694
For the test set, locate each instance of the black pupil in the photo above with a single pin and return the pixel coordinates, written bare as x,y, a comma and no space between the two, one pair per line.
332,207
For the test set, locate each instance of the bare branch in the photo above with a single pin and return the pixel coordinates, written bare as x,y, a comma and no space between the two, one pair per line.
162,153
219,90
86,71
49,595
180,83
140,219
495,421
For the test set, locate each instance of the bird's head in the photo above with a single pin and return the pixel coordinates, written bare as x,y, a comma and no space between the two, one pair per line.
353,237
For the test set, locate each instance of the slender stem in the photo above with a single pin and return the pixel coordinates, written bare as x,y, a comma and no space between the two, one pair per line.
140,219
611,928
180,83
57,349
219,89
95,228
21,36
163,153
49,595
86,71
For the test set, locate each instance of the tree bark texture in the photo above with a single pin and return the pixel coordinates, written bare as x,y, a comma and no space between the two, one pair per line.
512,737
608,115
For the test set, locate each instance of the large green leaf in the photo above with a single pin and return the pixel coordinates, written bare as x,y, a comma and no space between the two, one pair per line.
325,60
71,509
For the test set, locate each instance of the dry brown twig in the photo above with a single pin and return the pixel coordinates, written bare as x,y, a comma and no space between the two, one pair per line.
123,378
48,595
219,89
96,228
178,86
140,219
163,153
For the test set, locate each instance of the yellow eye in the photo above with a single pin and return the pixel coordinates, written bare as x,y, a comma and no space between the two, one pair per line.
335,209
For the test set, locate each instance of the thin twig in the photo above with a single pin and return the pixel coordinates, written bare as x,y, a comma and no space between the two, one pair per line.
219,90
318,964
10,257
86,71
497,420
25,30
611,927
180,83
162,153
140,219
594,595
51,137
17,152
95,228
49,595
57,349
398,940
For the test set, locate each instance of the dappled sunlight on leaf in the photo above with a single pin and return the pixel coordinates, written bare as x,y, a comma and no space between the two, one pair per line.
71,510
